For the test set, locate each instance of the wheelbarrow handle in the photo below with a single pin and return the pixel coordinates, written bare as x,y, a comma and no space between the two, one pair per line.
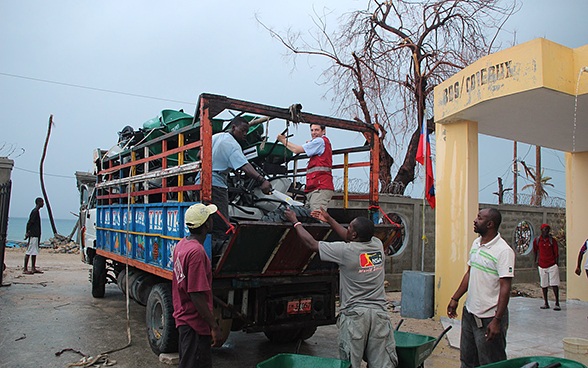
399,324
440,336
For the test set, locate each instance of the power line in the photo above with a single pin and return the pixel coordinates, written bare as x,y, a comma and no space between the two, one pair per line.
36,172
94,88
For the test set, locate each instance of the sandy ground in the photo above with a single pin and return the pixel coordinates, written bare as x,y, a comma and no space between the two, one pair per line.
443,356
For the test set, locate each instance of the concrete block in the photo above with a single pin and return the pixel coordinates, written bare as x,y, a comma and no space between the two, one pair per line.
169,358
417,294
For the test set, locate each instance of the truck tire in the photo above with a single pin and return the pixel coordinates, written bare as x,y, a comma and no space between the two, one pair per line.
161,326
98,276
277,215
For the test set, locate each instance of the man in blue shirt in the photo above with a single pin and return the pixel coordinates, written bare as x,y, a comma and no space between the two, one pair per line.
228,155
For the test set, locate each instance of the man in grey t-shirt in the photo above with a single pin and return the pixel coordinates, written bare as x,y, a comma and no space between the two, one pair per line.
365,330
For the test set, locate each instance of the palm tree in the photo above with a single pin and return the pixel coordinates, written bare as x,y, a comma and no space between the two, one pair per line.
539,182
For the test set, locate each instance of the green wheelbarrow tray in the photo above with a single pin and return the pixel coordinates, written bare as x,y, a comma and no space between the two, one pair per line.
414,349
302,361
542,360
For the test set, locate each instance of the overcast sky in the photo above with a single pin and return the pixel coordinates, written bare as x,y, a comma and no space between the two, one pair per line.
176,50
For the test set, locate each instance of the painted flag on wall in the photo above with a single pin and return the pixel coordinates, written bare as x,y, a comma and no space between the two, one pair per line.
425,148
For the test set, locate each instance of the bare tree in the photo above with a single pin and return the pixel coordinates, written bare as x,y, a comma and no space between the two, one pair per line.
391,55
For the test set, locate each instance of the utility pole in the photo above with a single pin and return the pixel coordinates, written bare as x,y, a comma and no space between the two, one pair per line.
516,174
538,176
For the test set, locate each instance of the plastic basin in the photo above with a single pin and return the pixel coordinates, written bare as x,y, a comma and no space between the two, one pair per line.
543,361
302,361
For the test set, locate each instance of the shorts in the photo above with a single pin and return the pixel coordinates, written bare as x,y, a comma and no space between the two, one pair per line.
549,276
319,198
33,247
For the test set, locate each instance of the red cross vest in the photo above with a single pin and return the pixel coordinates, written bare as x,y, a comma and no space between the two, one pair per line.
318,174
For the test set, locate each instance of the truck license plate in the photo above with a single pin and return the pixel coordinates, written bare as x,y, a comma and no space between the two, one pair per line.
300,306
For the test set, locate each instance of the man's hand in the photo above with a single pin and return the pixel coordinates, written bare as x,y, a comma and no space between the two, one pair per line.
321,215
290,215
493,329
452,309
216,336
281,138
266,187
26,235
578,271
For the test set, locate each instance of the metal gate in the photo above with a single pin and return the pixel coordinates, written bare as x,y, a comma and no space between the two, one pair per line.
4,206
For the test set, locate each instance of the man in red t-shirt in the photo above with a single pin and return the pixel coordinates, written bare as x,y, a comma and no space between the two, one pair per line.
545,247
192,291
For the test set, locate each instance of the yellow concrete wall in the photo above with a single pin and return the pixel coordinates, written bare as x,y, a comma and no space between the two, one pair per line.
580,60
456,194
506,72
576,221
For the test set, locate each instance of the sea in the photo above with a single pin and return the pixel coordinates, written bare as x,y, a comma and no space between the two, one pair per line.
17,227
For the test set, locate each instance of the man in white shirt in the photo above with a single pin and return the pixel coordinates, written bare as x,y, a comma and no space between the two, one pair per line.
488,282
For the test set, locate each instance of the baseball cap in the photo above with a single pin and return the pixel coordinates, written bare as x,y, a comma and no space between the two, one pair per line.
197,214
544,226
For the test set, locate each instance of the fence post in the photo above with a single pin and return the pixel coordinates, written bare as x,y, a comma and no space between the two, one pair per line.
6,165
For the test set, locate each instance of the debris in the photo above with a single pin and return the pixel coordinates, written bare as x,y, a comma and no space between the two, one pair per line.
169,358
24,336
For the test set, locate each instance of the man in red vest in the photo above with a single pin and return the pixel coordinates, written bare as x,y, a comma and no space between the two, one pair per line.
545,248
319,179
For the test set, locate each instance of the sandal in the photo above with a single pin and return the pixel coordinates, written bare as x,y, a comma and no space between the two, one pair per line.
557,307
544,306
26,272
38,271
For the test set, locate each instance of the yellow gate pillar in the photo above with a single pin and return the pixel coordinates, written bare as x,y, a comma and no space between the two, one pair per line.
576,221
456,194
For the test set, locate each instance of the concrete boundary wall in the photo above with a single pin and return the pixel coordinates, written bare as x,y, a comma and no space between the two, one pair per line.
410,255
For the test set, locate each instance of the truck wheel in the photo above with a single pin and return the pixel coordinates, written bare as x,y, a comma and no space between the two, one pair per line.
161,326
98,277
277,215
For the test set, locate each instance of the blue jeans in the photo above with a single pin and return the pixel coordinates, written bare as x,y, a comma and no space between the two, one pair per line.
474,350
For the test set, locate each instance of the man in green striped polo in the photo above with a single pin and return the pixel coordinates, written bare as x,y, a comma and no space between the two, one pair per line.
487,281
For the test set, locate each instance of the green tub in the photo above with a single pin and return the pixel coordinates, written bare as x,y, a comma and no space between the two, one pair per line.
543,361
302,361
413,349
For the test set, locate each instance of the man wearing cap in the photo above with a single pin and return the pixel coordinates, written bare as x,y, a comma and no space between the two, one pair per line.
319,179
545,247
192,291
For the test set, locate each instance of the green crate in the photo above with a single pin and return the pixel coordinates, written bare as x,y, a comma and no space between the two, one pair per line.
412,349
542,360
302,361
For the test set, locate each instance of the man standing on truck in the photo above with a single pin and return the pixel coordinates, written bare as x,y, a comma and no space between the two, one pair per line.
228,155
192,291
33,234
319,179
364,326
487,281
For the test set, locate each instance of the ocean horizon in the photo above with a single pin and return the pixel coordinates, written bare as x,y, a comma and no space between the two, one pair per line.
17,227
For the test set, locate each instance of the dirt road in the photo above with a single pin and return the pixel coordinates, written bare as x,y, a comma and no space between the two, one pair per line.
46,313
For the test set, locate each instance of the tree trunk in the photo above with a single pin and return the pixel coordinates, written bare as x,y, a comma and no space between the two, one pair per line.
405,174
43,182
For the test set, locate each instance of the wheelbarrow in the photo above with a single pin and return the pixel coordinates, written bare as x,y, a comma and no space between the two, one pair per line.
302,361
414,349
536,362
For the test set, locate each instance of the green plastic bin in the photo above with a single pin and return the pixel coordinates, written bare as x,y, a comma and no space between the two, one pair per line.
302,361
413,349
542,360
